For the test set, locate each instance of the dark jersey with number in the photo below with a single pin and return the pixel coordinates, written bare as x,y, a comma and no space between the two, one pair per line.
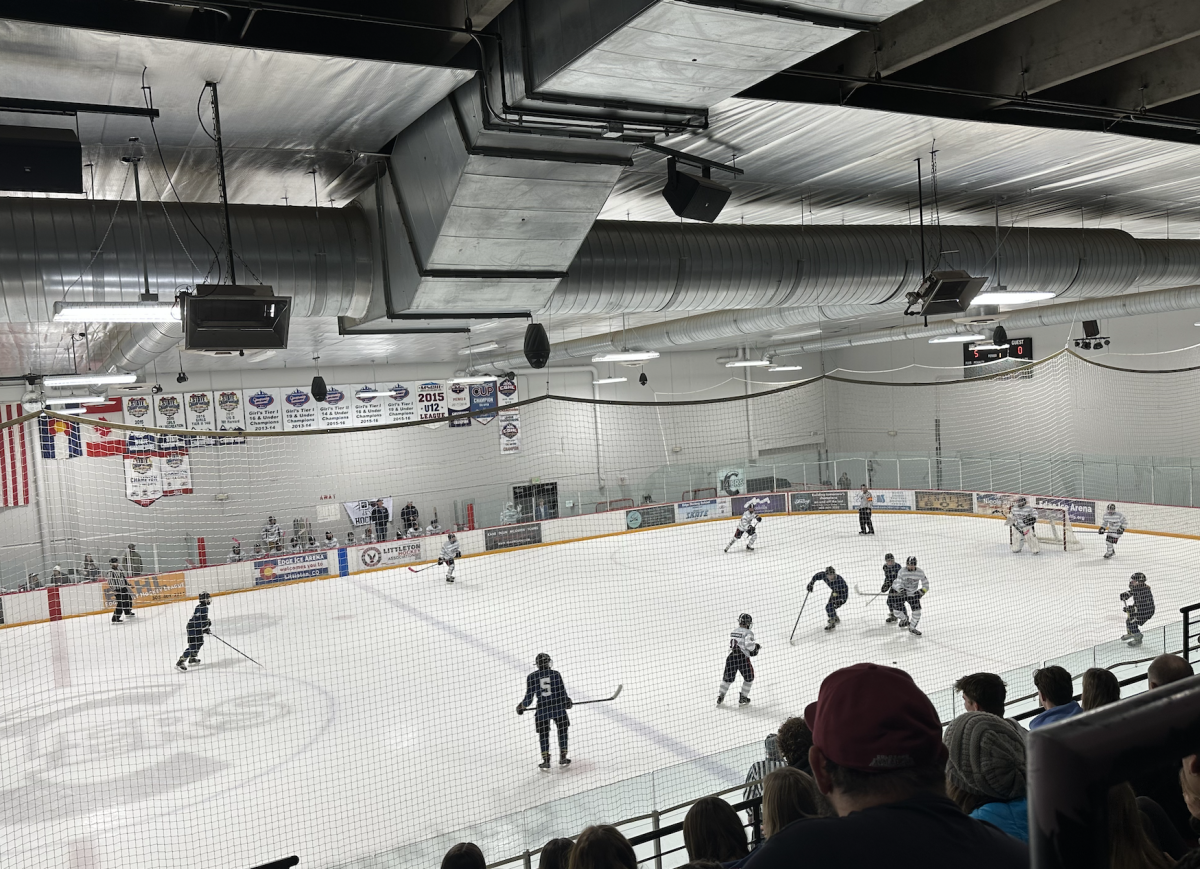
547,686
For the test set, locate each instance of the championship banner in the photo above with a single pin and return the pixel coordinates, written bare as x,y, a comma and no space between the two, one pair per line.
175,471
946,502
1077,511
694,511
388,554
137,411
285,568
510,432
483,397
230,410
143,482
264,410
808,502
506,391
335,411
431,400
768,502
168,411
199,411
366,409
507,536
731,481
458,404
401,403
299,410
893,499
163,588
650,517
360,511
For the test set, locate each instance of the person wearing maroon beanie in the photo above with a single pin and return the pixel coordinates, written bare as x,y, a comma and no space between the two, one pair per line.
878,756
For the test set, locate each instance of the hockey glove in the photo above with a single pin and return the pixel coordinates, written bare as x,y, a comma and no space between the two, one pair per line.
441,561
1030,521
1125,595
757,649
809,588
520,708
1100,532
570,704
887,586
921,592
208,630
1129,610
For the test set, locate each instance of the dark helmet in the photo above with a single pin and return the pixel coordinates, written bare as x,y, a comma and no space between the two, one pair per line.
205,597
1111,508
912,561
1021,501
451,537
1137,577
745,620
889,557
830,571
542,661
751,507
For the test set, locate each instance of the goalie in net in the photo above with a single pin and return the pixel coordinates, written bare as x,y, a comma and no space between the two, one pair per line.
1037,525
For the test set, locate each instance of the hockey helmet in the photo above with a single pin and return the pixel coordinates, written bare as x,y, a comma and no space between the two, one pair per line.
1021,501
1137,577
745,620
1111,508
751,507
889,557
205,597
542,661
451,537
830,571
912,561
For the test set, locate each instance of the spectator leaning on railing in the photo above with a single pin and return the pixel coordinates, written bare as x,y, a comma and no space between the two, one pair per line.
878,756
1055,692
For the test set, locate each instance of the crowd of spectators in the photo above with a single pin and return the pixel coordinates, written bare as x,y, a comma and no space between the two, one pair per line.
869,776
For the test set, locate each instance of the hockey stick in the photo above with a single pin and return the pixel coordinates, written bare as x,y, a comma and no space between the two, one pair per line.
239,651
603,700
423,569
802,606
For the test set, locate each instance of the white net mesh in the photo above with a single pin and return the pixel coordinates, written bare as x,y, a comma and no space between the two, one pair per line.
376,723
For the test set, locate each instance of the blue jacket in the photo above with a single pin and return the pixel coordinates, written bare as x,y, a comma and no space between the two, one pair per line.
1011,817
1055,715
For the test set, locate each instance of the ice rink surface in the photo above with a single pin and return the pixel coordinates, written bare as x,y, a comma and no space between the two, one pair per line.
384,711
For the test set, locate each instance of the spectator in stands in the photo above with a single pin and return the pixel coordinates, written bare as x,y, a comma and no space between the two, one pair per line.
844,481
310,544
1100,687
330,541
983,692
712,830
379,519
760,768
790,795
540,512
434,527
132,563
409,515
272,536
1055,693
795,739
34,581
258,551
878,756
57,577
294,545
509,515
91,570
349,538
411,532
985,772
235,553
1166,669
556,854
1128,843
368,535
602,847
464,855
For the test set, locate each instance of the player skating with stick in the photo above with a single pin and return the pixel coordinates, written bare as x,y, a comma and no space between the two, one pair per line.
911,585
450,551
198,625
894,599
838,593
748,525
1112,526
1139,610
742,648
552,704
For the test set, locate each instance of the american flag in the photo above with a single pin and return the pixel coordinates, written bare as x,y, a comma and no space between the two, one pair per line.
14,461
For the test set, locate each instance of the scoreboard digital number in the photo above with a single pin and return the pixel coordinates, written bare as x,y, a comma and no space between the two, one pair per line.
1018,348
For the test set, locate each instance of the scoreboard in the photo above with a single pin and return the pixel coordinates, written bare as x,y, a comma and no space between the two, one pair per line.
1020,349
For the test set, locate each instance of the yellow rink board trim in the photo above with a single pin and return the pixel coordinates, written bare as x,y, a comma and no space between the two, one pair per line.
1174,534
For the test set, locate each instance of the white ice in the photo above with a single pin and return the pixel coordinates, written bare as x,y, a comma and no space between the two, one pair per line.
384,712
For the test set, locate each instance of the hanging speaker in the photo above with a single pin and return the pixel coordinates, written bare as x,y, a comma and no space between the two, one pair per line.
537,345
1091,328
319,389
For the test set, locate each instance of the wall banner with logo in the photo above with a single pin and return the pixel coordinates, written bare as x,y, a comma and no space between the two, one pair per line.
483,397
893,499
387,554
650,517
300,411
709,508
401,403
731,481
768,502
506,391
143,481
163,588
1077,511
175,471
285,568
507,536
946,502
431,400
458,404
806,502
168,412
510,431
360,511
230,410
264,409
335,411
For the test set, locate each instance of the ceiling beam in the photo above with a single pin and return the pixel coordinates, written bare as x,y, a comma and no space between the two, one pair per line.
1148,81
920,32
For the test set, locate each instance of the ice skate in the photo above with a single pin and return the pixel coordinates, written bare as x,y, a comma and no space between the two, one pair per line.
720,699
545,764
449,579
749,548
181,664
890,620
914,631
193,660
563,760
832,624
743,700
903,623
1136,641
1109,554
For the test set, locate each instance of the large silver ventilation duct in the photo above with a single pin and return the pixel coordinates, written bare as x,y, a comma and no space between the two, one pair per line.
629,267
1153,302
66,250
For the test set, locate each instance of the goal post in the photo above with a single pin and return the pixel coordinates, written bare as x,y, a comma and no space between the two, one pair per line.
1054,528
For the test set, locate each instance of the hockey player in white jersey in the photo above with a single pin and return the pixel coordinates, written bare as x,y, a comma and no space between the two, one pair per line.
747,525
450,551
1112,526
1023,519
911,585
742,648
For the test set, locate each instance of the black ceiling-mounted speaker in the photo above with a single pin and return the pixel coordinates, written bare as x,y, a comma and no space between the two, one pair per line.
948,292
1000,336
692,197
1091,328
228,317
537,345
40,160
319,389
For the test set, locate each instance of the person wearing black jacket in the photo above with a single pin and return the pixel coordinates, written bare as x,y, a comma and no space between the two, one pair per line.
379,518
122,594
1139,610
198,625
410,516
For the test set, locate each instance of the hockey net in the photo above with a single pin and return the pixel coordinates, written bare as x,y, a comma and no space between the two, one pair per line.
1053,528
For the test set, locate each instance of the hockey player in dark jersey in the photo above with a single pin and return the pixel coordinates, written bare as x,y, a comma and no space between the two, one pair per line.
552,704
742,648
1139,609
198,625
894,599
839,592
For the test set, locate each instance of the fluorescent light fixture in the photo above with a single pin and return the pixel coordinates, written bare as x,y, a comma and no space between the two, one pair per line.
957,339
77,399
116,312
787,368
489,324
748,363
990,346
805,334
626,356
478,348
1010,297
473,378
87,379
372,394
604,380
